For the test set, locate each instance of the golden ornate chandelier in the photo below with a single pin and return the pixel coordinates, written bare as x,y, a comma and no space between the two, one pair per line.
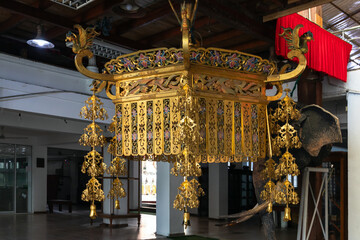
187,106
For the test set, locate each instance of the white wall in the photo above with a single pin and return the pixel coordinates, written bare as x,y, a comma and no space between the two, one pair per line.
50,119
40,74
66,105
21,76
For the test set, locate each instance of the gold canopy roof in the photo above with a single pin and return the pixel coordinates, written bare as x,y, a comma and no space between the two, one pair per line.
187,105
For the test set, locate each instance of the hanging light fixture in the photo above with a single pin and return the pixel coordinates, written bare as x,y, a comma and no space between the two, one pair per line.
39,41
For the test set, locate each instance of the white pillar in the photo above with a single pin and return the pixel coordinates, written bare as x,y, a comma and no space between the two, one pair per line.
39,179
353,164
218,190
168,219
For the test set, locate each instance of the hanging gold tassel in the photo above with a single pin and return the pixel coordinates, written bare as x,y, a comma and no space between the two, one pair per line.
117,204
269,207
93,214
287,215
186,221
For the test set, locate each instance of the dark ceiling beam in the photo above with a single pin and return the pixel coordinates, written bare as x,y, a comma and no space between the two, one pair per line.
16,19
90,15
125,42
294,9
278,3
35,13
149,18
235,18
12,22
59,21
96,11
175,31
55,32
221,37
253,45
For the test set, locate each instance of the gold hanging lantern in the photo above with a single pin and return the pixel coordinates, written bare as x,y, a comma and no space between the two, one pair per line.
188,105
116,191
93,163
117,167
188,197
286,138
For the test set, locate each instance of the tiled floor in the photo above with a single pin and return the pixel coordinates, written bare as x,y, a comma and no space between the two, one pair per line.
76,226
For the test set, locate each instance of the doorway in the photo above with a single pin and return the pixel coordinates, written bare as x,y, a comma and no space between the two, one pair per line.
15,178
148,185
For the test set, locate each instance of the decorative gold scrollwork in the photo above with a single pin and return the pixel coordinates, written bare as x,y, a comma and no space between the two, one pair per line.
298,46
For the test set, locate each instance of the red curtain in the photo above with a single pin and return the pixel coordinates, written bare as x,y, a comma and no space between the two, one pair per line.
327,53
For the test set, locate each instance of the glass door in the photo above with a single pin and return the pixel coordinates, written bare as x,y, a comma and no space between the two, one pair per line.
14,178
7,177
22,159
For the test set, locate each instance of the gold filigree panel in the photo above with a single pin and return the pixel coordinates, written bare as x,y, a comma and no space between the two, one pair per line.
174,125
126,129
158,127
229,130
142,128
246,129
211,127
262,131
148,86
231,87
214,57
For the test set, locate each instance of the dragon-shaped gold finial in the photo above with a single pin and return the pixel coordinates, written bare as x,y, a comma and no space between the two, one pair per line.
298,47
84,40
293,40
81,46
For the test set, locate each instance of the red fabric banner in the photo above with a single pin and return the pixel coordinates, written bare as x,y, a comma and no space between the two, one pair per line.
327,53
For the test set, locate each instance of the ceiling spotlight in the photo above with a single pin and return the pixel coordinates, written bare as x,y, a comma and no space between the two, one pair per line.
39,41
130,6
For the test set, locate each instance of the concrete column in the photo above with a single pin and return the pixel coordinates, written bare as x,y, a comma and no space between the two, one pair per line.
218,190
168,219
39,179
353,165
353,115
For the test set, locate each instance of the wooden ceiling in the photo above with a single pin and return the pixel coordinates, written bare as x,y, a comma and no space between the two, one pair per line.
231,24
